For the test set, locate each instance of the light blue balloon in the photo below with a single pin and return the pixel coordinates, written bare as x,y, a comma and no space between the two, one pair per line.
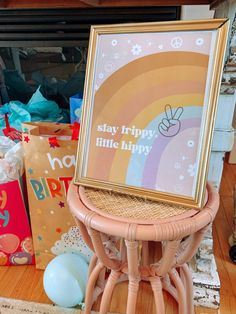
65,279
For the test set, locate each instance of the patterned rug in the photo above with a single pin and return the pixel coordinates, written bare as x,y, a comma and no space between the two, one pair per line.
13,306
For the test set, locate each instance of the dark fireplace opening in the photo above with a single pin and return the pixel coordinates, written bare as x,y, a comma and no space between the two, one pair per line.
48,48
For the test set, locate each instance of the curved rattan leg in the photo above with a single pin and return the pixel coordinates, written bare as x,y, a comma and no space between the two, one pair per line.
145,253
100,250
193,244
102,279
107,294
90,287
180,290
123,253
92,264
133,275
169,287
185,272
132,296
158,294
84,233
169,253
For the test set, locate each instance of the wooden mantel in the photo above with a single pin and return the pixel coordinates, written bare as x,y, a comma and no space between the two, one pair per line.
100,3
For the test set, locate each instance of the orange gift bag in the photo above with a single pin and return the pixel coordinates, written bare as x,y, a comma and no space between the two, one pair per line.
50,151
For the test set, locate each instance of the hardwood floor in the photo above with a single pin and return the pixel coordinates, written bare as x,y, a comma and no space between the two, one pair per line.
25,282
222,229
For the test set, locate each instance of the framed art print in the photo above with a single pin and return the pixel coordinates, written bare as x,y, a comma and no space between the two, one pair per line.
149,107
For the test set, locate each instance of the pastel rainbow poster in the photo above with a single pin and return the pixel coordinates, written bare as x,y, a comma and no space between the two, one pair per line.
147,109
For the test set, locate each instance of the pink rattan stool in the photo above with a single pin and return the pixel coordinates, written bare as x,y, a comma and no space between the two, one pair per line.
123,231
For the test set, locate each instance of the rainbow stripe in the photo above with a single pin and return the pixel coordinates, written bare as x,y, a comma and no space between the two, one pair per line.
151,82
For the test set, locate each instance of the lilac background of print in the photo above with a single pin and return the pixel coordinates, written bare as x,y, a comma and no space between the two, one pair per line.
172,178
116,50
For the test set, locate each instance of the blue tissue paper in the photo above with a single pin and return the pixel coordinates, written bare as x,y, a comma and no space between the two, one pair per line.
75,108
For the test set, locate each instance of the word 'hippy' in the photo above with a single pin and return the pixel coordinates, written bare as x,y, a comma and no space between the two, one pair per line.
128,146
135,132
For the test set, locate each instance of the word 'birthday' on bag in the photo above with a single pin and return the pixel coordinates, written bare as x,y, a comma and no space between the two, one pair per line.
55,162
50,187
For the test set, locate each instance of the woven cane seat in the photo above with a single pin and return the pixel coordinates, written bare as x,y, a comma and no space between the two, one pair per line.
131,207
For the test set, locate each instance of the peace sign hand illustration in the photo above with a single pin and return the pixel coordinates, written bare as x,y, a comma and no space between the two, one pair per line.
170,125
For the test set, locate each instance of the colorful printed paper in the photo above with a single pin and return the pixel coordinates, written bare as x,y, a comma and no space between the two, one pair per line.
155,110
16,246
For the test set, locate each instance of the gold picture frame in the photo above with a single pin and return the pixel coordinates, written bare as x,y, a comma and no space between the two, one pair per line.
149,107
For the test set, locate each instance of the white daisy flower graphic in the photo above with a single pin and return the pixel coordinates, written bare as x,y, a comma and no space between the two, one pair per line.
114,42
101,75
178,188
177,165
192,170
136,50
109,66
190,143
199,41
181,177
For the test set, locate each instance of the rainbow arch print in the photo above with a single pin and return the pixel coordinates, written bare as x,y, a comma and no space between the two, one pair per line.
118,152
150,101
